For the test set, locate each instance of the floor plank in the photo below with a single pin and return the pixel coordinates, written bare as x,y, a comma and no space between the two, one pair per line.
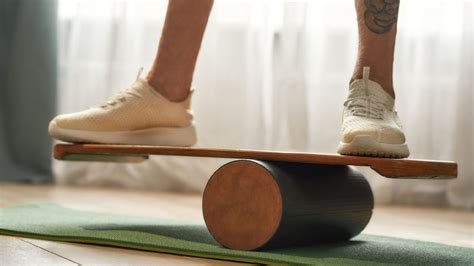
91,254
15,251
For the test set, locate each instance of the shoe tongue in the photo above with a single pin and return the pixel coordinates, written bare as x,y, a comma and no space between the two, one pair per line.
372,89
140,85
144,88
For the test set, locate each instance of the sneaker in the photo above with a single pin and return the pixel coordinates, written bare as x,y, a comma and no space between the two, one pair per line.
370,125
138,116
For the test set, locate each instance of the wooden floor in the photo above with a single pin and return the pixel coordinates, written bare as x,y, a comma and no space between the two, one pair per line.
448,226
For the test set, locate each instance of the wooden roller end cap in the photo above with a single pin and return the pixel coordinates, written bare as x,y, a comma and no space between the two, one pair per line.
242,205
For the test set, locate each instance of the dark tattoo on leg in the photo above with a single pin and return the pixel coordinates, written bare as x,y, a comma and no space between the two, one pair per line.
381,15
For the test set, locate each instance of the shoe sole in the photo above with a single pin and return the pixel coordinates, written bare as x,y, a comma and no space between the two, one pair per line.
158,136
365,145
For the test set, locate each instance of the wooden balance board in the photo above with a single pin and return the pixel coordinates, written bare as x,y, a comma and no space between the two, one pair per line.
275,199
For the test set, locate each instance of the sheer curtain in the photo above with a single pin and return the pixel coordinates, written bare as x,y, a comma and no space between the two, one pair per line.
274,75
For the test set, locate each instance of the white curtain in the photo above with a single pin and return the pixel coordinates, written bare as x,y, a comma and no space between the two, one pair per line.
274,75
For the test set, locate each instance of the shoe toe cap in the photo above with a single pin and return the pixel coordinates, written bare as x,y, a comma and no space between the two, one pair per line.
59,125
54,126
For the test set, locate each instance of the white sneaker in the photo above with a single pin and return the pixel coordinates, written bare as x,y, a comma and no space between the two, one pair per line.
370,125
138,115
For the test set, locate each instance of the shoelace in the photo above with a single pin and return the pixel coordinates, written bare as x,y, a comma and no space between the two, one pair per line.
122,95
365,106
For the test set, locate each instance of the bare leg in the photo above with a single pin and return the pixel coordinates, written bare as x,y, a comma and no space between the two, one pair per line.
377,20
173,68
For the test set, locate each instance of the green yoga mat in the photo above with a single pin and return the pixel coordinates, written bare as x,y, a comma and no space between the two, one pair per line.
53,222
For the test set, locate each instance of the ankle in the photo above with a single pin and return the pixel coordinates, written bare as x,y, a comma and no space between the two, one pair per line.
174,95
171,92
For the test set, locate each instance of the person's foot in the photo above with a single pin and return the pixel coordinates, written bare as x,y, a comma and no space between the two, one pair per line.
371,126
138,115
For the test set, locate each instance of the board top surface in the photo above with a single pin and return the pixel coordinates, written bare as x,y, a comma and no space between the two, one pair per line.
392,168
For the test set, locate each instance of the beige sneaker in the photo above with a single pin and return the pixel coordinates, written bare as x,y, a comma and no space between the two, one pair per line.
370,125
138,115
